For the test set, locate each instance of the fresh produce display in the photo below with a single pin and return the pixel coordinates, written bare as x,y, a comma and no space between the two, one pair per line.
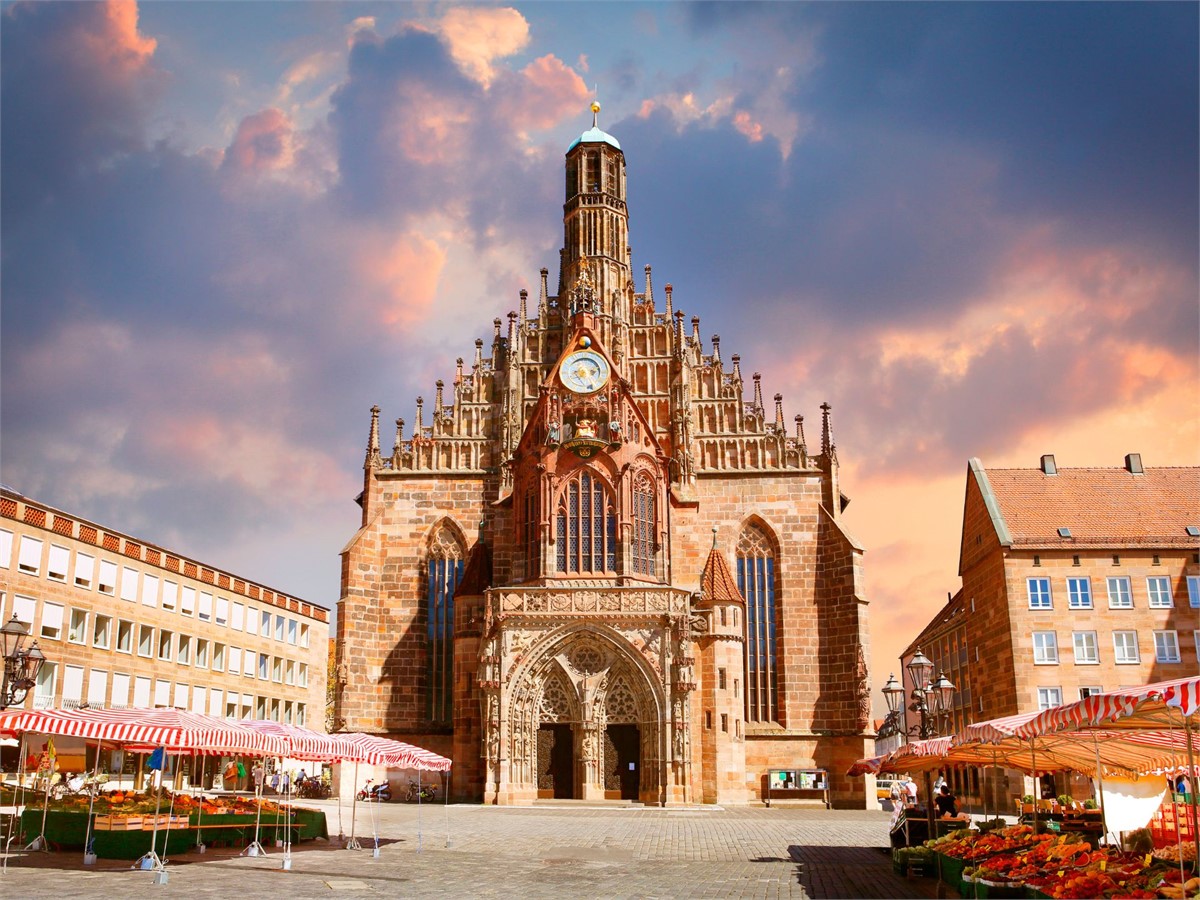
131,803
1175,852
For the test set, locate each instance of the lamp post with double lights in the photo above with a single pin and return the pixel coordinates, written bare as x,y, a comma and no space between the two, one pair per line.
931,701
21,663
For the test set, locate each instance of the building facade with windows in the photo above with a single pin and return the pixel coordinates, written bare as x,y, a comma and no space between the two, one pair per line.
597,568
126,623
1074,581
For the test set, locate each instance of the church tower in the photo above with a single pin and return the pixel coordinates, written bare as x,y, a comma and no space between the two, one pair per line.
597,568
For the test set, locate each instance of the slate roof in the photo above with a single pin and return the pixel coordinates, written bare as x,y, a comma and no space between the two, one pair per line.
1109,507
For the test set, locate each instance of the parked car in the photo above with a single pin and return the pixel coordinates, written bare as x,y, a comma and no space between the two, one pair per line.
883,787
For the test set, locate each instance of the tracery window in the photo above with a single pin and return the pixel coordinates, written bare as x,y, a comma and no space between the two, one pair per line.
444,569
756,582
586,527
643,526
529,534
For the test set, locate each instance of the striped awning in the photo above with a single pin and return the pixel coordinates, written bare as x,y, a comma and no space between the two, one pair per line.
868,766
1162,704
381,751
300,742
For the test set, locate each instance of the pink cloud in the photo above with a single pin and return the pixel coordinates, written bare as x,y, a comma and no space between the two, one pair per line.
548,90
744,123
478,36
264,143
120,42
401,276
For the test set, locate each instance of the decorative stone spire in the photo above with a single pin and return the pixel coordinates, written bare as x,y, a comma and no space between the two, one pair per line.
696,333
827,445
779,429
373,460
419,428
670,312
437,401
398,444
800,434
458,367
512,334
544,292
737,367
478,354
758,401
524,304
678,328
649,289
716,354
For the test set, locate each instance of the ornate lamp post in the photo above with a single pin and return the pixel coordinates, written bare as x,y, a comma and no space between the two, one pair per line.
21,664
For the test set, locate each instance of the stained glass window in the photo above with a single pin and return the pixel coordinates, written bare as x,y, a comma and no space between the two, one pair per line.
756,582
444,570
643,526
586,527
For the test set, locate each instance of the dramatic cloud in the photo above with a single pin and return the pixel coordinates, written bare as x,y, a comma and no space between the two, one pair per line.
478,36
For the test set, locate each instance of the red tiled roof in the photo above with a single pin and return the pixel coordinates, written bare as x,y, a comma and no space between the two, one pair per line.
717,582
1101,507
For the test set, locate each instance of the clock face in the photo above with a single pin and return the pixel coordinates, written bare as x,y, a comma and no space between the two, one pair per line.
584,371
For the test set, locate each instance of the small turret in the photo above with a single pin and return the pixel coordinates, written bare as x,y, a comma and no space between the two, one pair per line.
716,354
649,289
779,428
373,460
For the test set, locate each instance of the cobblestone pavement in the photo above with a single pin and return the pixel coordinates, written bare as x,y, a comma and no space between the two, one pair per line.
543,851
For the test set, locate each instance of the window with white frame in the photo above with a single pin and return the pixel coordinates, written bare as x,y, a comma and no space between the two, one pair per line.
142,686
24,609
58,562
265,630
43,695
231,707
181,696
166,642
1158,588
1086,691
277,669
289,673
1193,586
72,694
206,605
222,612
187,601
101,626
1125,647
170,595
120,690
184,655
1045,647
145,640
97,688
248,664
304,635
292,632
201,653
279,628
6,544
162,692
302,674
251,620
1087,653
129,584
1079,592
247,704
85,569
149,590
77,632
264,666
235,660
52,621
237,619
199,700
124,636
300,714
216,701
29,560
1039,593
1119,594
1196,641
1166,646
1049,697
106,582
218,657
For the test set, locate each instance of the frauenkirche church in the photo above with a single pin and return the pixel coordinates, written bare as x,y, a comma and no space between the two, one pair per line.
596,569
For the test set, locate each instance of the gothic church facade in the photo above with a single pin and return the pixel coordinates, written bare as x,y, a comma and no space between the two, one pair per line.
599,570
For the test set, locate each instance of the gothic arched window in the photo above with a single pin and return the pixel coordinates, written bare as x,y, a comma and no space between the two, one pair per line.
586,527
756,581
443,571
643,526
529,533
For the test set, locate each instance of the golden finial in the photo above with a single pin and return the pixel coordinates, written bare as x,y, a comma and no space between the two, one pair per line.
595,113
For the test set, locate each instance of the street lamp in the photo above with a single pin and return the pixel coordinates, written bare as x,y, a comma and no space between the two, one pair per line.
931,700
21,665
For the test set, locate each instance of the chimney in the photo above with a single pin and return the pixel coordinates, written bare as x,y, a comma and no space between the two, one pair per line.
1133,464
1048,466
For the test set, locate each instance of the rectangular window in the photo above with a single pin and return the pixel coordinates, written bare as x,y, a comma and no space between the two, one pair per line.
1049,697
265,630
166,641
292,632
1196,641
222,612
1119,594
277,669
302,675
170,595
1125,647
279,628
248,664
181,696
1193,586
145,640
142,686
304,635
129,584
85,568
77,633
235,661
206,607
29,560
57,564
187,601
6,542
300,714
43,695
72,694
237,621
251,620
97,688
216,701
202,653
1158,588
1166,646
264,666
162,693
124,636
184,656
1079,593
52,621
101,625
1045,647
107,581
218,658
1089,691
260,708
24,609
1086,650
199,700
1039,593
120,690
150,590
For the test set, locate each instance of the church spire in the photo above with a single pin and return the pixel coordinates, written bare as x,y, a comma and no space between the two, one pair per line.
373,460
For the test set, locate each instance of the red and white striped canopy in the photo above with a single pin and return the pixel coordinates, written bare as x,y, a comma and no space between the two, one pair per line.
1163,704
173,729
868,766
380,751
300,743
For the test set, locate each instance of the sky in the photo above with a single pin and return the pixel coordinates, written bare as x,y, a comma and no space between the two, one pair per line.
228,229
